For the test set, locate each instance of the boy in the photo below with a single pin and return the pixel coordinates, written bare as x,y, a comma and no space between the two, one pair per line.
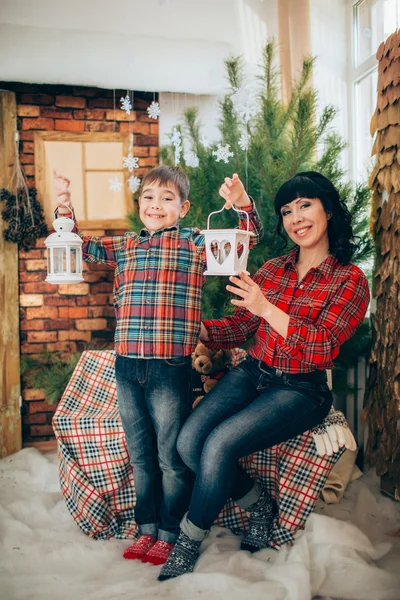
157,299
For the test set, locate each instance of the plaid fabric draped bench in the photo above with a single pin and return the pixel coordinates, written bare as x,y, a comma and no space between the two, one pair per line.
97,480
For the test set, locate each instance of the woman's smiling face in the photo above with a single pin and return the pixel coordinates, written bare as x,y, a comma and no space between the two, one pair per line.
306,222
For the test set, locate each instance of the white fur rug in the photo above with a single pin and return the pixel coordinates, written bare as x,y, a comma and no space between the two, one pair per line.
344,553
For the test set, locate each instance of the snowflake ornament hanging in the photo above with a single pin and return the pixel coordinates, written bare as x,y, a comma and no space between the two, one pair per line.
191,159
131,162
134,183
126,104
244,141
222,153
154,110
115,184
176,140
244,102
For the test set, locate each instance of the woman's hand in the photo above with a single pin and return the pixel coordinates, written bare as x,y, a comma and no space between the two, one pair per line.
252,297
63,193
232,190
204,334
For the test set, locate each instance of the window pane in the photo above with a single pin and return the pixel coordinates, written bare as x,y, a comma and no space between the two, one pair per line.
101,156
369,29
365,98
390,17
102,203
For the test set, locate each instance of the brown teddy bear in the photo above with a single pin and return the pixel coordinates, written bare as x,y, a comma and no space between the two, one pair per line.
209,366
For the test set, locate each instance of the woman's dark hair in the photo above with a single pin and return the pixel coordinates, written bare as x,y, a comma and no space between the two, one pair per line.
310,184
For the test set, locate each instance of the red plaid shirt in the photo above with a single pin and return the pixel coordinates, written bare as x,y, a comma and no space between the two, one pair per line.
325,309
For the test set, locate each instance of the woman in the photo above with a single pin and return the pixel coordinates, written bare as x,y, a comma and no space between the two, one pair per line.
300,308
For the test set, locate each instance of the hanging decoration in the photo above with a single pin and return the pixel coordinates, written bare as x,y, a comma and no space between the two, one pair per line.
25,218
126,104
176,140
191,159
134,183
244,141
22,211
244,102
115,184
222,153
131,162
154,110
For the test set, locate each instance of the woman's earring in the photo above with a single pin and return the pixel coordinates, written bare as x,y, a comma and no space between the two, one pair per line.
328,215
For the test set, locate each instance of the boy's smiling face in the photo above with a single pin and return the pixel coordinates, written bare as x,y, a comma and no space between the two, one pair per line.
161,207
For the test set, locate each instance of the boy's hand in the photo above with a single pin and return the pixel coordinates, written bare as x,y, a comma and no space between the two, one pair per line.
232,190
63,193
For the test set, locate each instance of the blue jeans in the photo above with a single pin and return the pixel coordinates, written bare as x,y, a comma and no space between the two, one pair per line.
249,410
154,400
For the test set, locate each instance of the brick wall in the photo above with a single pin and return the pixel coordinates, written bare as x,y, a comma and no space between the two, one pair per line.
67,318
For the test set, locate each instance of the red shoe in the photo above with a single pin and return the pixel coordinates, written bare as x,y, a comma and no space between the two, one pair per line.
142,545
159,553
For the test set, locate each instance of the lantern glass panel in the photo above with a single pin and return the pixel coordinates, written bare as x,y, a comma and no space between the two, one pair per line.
60,260
74,259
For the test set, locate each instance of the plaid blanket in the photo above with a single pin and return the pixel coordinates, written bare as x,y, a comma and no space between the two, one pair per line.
97,480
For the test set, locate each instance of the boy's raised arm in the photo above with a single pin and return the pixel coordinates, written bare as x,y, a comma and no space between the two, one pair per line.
232,190
94,249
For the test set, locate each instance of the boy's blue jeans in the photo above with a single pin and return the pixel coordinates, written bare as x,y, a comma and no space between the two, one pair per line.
154,400
249,410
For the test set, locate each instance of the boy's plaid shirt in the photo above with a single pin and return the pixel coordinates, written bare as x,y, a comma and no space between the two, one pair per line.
158,283
325,309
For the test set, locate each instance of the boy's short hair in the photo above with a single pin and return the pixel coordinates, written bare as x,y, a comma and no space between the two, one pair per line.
165,174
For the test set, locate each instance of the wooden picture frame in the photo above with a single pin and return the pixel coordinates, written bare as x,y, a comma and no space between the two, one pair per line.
46,196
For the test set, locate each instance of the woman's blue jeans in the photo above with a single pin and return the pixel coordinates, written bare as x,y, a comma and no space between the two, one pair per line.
249,410
154,400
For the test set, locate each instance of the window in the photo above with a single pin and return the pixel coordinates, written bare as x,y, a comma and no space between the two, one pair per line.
373,21
89,160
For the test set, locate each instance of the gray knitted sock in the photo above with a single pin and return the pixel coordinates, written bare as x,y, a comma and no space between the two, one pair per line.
182,558
262,516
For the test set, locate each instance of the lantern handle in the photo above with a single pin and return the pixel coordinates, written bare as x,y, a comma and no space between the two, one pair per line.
56,213
215,212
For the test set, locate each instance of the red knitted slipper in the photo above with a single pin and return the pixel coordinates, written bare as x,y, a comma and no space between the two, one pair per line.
159,553
140,547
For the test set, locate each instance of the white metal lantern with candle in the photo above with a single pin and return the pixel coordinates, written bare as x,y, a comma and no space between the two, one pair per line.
64,252
227,250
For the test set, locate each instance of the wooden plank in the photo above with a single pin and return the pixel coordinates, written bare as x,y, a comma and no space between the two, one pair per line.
10,389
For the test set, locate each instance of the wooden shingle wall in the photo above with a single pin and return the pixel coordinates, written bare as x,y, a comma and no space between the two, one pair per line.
382,408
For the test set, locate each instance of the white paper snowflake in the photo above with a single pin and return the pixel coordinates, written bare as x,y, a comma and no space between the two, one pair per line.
131,162
115,184
204,142
222,153
244,141
154,110
134,183
244,102
191,159
126,104
176,140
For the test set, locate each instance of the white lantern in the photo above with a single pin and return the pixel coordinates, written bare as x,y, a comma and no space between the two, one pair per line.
227,250
64,253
